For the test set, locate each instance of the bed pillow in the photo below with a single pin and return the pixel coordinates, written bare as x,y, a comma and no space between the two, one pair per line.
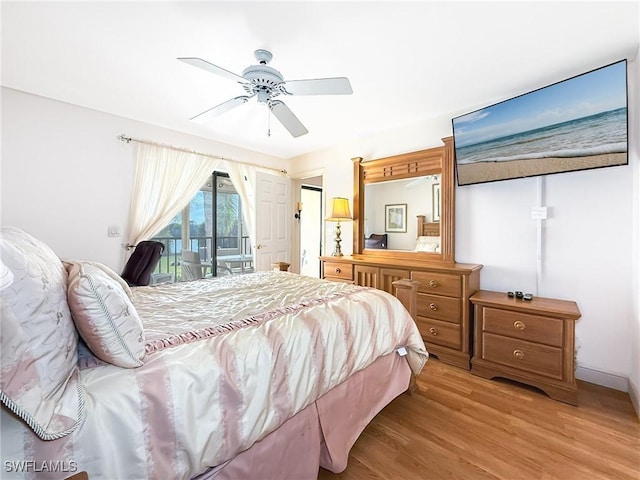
104,316
113,275
428,244
38,341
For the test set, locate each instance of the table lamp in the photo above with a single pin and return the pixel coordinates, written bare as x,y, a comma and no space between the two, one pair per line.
339,213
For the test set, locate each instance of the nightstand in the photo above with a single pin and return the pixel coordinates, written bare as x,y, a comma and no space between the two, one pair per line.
528,341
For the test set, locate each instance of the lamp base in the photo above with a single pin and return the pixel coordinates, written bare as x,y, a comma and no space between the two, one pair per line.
337,251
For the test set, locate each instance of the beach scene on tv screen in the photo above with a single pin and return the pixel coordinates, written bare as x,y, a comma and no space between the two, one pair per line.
576,124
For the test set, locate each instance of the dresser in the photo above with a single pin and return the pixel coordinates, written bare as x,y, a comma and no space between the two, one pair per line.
528,341
441,303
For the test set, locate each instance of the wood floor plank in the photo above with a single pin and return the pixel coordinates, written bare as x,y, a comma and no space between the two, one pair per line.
460,426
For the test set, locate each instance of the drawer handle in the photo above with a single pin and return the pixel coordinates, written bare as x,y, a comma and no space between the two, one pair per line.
519,354
433,331
518,325
433,306
433,283
338,270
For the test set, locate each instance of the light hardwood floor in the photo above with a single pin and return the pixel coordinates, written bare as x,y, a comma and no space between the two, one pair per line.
460,426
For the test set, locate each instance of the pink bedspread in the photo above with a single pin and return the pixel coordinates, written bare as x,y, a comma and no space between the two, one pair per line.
228,361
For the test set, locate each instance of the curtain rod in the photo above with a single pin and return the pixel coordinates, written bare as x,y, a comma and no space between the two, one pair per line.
126,139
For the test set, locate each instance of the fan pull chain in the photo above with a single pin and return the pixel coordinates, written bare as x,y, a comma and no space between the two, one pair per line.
268,122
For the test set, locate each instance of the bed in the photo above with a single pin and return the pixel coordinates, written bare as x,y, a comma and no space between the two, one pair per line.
264,375
428,236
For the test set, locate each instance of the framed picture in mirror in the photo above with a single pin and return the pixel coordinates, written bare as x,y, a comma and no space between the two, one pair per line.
395,218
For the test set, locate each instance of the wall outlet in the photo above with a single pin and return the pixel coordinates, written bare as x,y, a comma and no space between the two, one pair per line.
538,213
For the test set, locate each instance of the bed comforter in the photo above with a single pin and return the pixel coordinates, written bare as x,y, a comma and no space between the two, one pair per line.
228,360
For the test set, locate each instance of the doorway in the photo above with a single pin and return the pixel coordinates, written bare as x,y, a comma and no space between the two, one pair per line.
310,230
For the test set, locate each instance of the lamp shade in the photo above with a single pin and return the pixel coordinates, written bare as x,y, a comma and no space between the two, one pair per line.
339,210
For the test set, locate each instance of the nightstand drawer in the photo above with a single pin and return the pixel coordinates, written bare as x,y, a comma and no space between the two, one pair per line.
441,308
524,326
523,355
438,283
337,270
441,333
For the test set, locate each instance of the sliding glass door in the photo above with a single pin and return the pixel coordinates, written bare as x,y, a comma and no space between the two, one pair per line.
215,238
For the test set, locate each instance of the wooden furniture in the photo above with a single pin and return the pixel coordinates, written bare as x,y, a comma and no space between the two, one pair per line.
79,476
437,161
427,229
438,291
337,269
438,301
528,341
280,266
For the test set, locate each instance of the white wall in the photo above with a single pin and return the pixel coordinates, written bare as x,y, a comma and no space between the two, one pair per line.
634,330
587,246
65,177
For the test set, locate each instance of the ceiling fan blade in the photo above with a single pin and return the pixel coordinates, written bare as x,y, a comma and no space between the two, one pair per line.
210,67
288,119
220,109
319,86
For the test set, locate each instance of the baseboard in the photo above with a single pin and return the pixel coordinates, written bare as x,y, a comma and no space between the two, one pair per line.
634,395
604,379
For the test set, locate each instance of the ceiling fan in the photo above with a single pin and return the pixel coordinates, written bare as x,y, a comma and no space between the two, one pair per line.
266,83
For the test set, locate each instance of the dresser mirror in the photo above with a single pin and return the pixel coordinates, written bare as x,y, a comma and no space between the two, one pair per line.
391,209
404,206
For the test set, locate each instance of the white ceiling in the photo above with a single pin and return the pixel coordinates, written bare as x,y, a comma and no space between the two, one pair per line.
407,61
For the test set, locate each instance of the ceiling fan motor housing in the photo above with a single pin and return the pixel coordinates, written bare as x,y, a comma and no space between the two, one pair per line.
264,81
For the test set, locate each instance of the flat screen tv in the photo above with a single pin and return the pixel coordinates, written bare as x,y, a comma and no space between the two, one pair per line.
576,124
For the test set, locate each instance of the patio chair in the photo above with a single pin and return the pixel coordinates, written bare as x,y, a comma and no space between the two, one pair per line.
192,266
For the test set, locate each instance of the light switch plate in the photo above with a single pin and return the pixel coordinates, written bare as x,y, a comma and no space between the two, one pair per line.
114,231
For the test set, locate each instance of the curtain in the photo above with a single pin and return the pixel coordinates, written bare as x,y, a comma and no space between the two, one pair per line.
243,178
165,182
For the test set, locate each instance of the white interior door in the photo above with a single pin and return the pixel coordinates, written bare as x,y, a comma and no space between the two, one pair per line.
273,220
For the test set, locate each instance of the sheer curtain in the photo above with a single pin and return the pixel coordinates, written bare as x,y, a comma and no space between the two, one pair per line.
243,178
165,182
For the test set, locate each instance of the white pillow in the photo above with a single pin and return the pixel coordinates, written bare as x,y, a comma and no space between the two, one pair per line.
125,286
104,316
38,341
428,244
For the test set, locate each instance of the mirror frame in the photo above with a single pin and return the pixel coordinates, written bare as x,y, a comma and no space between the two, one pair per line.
432,161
